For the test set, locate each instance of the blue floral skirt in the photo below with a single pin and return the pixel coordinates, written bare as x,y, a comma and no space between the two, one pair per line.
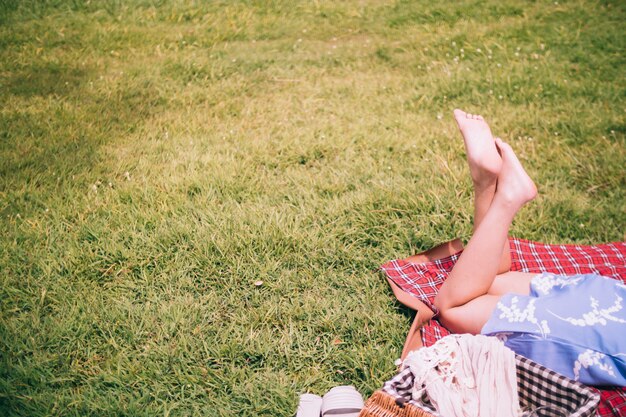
574,325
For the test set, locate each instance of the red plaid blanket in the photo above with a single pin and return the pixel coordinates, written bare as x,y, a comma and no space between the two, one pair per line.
423,281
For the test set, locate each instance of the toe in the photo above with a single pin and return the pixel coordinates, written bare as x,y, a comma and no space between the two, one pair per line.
499,144
479,117
505,149
458,113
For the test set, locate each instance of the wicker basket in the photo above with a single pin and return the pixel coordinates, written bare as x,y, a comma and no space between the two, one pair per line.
538,387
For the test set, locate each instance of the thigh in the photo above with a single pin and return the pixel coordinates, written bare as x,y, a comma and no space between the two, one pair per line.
471,316
511,282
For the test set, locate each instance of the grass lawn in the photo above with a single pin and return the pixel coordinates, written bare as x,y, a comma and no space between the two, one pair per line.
157,158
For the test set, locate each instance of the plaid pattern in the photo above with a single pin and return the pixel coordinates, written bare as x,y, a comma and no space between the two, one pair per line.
421,280
400,386
608,260
424,280
612,402
537,387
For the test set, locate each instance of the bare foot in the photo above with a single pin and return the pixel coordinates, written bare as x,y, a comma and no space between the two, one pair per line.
515,188
482,154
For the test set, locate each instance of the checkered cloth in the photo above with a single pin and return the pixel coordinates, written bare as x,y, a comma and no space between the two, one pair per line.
537,387
423,281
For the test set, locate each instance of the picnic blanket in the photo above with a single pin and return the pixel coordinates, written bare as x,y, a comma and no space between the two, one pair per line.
424,279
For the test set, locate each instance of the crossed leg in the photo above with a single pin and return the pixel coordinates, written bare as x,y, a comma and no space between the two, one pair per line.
485,163
473,288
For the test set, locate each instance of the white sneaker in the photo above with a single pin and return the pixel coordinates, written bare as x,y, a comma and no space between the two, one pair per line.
343,401
310,406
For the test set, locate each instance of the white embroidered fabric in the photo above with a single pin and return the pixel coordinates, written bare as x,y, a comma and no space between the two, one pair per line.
466,376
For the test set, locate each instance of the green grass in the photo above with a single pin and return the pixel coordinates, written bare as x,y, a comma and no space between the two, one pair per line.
159,157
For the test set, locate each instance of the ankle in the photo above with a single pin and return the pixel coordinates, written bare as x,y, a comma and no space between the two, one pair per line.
508,202
485,187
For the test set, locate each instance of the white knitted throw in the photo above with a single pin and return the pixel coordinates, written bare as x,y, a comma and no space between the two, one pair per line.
466,376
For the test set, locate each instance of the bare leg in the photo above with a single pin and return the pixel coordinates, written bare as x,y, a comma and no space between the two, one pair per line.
485,164
464,300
